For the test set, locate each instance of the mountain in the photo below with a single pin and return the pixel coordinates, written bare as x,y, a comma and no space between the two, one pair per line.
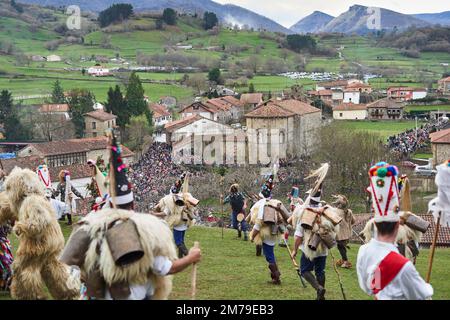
312,23
356,20
230,14
442,18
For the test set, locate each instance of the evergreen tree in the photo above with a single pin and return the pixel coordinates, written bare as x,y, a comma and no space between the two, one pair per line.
214,75
251,88
136,104
118,106
210,20
14,130
58,93
80,102
170,16
115,13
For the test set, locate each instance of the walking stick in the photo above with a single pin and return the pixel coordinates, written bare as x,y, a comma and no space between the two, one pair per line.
294,263
433,248
359,237
194,275
338,275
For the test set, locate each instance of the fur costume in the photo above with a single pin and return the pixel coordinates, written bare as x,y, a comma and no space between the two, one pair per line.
322,225
40,241
265,231
175,215
155,239
345,227
404,235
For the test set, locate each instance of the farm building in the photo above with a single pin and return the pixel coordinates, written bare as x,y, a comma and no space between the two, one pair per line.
251,99
350,111
400,94
444,86
385,109
224,109
352,95
97,122
440,145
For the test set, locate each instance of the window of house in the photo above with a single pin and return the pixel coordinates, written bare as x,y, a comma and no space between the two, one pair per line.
94,134
94,125
340,114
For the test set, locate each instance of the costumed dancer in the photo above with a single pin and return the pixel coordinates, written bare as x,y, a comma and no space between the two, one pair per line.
65,190
294,202
238,205
315,233
382,271
41,241
267,215
123,254
98,185
6,256
440,206
177,208
345,229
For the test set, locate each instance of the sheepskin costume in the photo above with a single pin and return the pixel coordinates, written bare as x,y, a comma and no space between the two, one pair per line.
322,225
40,241
345,227
174,213
97,260
265,231
404,235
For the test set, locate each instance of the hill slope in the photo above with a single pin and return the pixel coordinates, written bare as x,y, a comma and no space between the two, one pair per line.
442,18
355,20
226,13
312,23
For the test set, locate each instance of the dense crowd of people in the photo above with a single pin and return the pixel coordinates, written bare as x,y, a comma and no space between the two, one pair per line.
406,143
153,175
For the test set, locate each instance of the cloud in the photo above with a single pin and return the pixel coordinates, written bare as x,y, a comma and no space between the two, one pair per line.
288,12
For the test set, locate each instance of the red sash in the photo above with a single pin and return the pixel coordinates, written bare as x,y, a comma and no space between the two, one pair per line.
387,270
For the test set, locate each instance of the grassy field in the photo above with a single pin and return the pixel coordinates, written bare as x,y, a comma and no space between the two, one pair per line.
230,270
428,108
384,128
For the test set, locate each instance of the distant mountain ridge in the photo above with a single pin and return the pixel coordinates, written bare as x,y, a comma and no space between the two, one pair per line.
355,20
228,13
442,18
312,23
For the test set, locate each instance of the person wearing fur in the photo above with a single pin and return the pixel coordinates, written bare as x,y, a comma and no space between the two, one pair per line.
314,234
345,229
40,238
66,195
267,215
125,255
382,271
238,205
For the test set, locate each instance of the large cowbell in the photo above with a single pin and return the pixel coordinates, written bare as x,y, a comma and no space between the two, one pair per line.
124,243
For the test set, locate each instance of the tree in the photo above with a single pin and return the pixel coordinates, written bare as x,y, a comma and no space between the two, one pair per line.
16,6
251,88
14,130
209,20
117,105
136,104
115,13
139,133
170,16
198,82
214,75
299,42
80,102
159,24
58,93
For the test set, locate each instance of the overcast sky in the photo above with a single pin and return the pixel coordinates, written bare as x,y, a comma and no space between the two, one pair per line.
288,12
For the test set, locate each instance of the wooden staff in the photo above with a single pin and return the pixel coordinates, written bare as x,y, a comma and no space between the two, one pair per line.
112,174
221,203
338,275
194,275
433,248
297,268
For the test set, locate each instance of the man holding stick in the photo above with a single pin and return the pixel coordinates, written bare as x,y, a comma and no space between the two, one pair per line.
238,205
382,271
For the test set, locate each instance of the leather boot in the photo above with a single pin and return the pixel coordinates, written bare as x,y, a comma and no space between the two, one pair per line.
63,218
182,250
321,281
274,274
258,250
308,276
245,236
239,233
69,218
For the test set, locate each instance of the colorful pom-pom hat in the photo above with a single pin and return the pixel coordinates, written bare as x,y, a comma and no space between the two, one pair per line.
384,190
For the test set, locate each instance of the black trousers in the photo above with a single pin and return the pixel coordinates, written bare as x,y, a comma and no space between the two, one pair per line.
342,247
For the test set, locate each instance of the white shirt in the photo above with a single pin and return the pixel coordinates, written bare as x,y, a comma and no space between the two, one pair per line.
59,207
407,285
161,267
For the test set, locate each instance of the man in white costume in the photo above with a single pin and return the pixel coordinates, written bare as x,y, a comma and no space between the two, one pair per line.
382,271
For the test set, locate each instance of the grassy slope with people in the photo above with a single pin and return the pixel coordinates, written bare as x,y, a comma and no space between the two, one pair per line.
231,271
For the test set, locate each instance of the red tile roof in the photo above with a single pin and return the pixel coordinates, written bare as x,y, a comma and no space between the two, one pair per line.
158,110
358,85
442,136
350,107
325,92
54,108
73,146
281,109
384,103
337,83
444,80
101,115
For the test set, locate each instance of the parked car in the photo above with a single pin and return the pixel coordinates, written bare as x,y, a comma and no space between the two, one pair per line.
427,171
408,164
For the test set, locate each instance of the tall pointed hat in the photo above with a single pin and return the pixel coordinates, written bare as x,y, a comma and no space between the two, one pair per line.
384,190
